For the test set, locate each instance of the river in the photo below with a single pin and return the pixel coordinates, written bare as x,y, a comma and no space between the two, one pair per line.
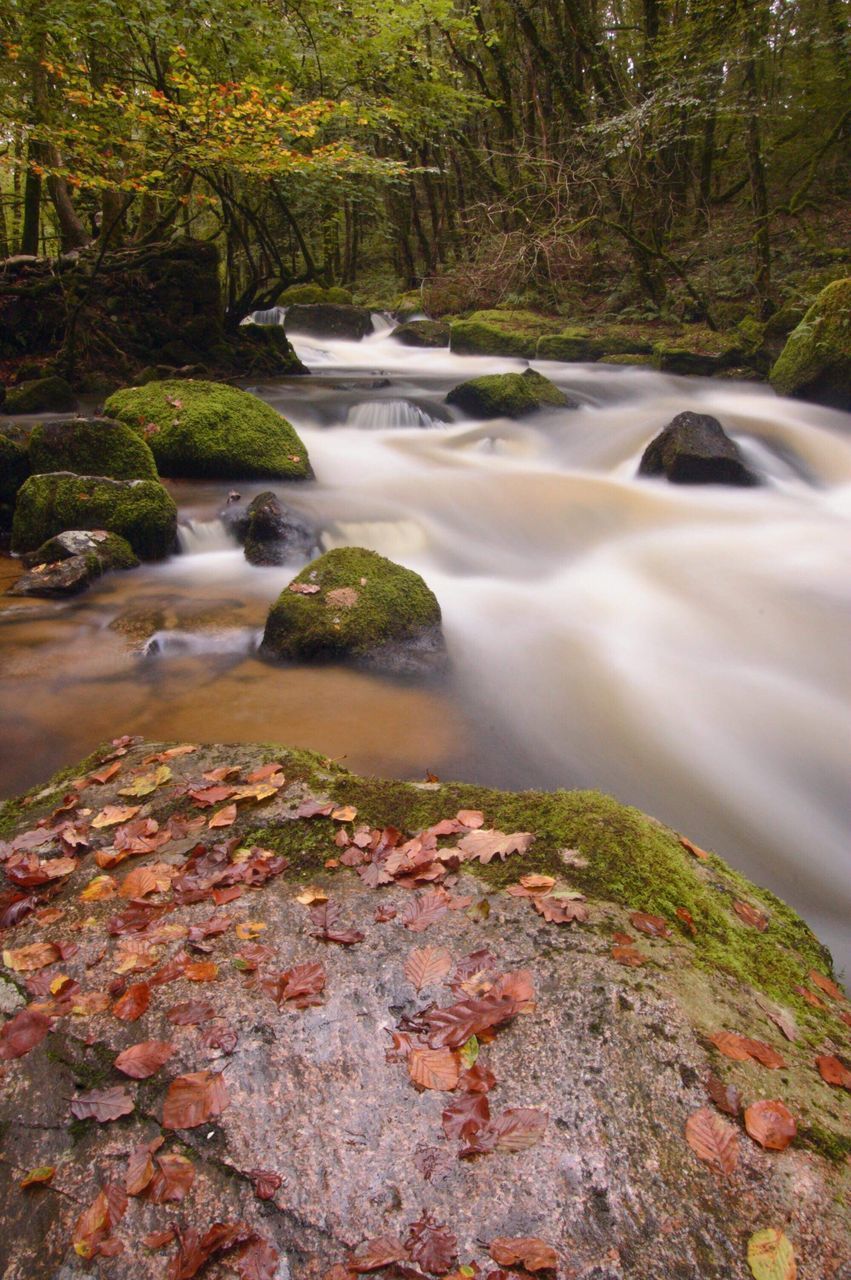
684,648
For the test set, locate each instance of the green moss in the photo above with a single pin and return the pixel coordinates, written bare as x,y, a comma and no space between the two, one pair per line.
388,603
508,395
408,305
422,333
570,344
139,510
475,338
638,360
310,294
41,395
835,1147
815,363
700,351
210,429
14,468
91,448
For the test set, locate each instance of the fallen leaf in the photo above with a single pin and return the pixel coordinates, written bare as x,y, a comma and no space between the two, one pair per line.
427,965
558,909
201,971
694,849
833,1071
471,818
193,1099
158,1239
483,846
146,783
113,814
23,1032
101,889
688,920
526,1251
725,1096
751,915
741,1048
301,984
771,1256
419,914
133,1003
143,1059
376,1253
103,775
265,1183
713,1139
453,1026
626,953
310,894
223,817
249,929
824,984
771,1124
304,588
437,1069
35,956
172,1180
326,918
95,1223
102,1105
655,926
431,1245
190,1012
38,1177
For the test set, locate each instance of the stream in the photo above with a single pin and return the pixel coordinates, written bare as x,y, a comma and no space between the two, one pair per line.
684,648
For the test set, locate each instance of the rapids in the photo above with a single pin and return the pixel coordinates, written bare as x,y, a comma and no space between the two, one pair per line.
682,647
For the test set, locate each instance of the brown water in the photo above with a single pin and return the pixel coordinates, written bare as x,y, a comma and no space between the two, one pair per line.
682,648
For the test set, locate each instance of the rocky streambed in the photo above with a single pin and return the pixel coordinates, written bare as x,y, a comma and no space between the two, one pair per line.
270,1018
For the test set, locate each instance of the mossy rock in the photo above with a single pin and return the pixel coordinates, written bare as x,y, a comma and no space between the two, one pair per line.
508,395
113,551
309,294
499,333
209,429
265,349
14,468
408,305
815,363
91,447
41,395
785,319
354,605
422,333
139,510
329,320
571,344
640,361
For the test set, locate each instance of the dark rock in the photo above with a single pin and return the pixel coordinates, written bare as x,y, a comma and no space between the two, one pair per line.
329,320
695,449
275,534
41,395
14,469
422,333
63,578
113,551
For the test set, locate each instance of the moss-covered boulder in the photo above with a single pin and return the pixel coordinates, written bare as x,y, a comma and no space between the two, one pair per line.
139,510
422,333
695,449
508,395
14,469
91,447
209,429
499,333
70,562
639,360
354,605
815,364
265,349
700,351
40,395
329,320
571,344
408,305
310,294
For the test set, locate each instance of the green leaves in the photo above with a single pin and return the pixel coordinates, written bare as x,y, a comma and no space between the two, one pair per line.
771,1256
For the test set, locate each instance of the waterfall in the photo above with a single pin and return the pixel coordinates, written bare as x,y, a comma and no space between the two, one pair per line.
376,415
199,537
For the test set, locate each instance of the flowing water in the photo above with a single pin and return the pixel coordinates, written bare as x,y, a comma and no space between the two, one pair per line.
682,647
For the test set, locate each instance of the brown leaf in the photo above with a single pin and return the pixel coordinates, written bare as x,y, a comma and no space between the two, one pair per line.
559,910
193,1099
257,1261
434,1069
172,1179
824,984
114,814
514,1129
771,1124
133,1003
432,1246
302,984
688,920
694,849
466,1115
326,918
143,1059
28,959
472,819
742,1048
223,817
424,910
626,953
833,1071
655,926
201,971
196,1250
38,1177
713,1139
95,1223
376,1253
158,1239
140,1167
102,1105
190,1013
483,846
427,965
751,915
23,1032
725,1096
526,1251
265,1183
103,775
453,1026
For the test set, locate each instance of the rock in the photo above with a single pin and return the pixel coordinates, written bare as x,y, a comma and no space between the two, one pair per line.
572,344
310,294
701,352
422,333
266,349
329,320
210,429
611,1060
139,510
695,449
508,395
499,333
14,469
367,610
113,551
41,395
408,305
88,447
643,361
274,534
63,578
815,363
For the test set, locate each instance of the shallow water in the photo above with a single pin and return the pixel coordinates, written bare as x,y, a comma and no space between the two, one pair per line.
683,648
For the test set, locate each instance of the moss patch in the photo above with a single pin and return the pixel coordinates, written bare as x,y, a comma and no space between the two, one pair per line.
91,448
14,468
41,395
209,429
308,294
815,363
422,333
507,395
138,510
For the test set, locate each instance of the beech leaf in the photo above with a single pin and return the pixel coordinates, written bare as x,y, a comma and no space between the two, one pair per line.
771,1256
143,1059
713,1139
771,1124
833,1071
434,1068
22,1033
526,1251
193,1099
427,965
102,1105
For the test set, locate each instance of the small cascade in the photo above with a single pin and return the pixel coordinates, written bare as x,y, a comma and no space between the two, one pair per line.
200,537
393,538
273,315
239,641
383,322
378,415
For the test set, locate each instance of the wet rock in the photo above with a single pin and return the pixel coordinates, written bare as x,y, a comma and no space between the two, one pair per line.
66,577
508,395
422,333
139,510
41,395
329,320
613,1059
354,605
695,449
275,534
815,363
91,447
113,551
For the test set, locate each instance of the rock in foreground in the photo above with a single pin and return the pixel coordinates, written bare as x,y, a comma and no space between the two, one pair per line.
257,1002
815,364
354,605
139,510
70,562
695,449
211,429
508,395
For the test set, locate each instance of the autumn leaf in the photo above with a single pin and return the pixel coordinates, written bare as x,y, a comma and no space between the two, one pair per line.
23,1032
741,1048
654,926
345,813
223,817
158,1239
301,984
265,1183
824,984
201,971
463,1117
101,889
725,1096
310,894
147,782
103,775
426,966
627,954
526,1251
751,915
190,1013
113,814
694,849
514,1129
483,846
471,818
95,1223
434,1069
133,1003
249,929
172,1179
431,1246
143,1059
558,909
771,1124
326,918
451,1027
424,910
193,1099
833,1071
38,1177
102,1105
27,959
140,1167
771,1256
376,1253
713,1140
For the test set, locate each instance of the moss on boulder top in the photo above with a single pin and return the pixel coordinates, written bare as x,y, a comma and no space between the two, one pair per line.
499,333
92,447
41,395
508,395
815,364
354,604
422,333
309,294
139,510
14,468
210,429
329,320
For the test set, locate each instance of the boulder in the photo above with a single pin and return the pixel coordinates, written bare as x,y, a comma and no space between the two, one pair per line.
311,294
139,510
576,344
354,605
329,320
265,349
499,333
62,578
14,469
274,534
508,395
815,363
70,562
700,351
695,449
89,447
210,429
408,305
422,333
40,395
307,1107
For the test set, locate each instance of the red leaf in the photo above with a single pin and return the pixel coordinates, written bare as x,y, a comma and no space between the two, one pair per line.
833,1071
627,954
725,1096
265,1183
434,1069
95,1223
172,1179
431,1245
427,965
374,1254
424,910
196,1250
190,1012
713,1139
824,984
750,915
22,1033
257,1261
655,926
326,918
464,1116
771,1124
193,1099
526,1251
486,845
143,1059
741,1048
302,984
102,1104
514,1129
452,1027
133,1003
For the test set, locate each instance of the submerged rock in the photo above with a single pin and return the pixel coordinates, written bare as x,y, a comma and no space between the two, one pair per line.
354,605
422,333
210,429
91,447
695,449
41,395
815,363
508,395
307,1131
139,510
275,534
329,320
